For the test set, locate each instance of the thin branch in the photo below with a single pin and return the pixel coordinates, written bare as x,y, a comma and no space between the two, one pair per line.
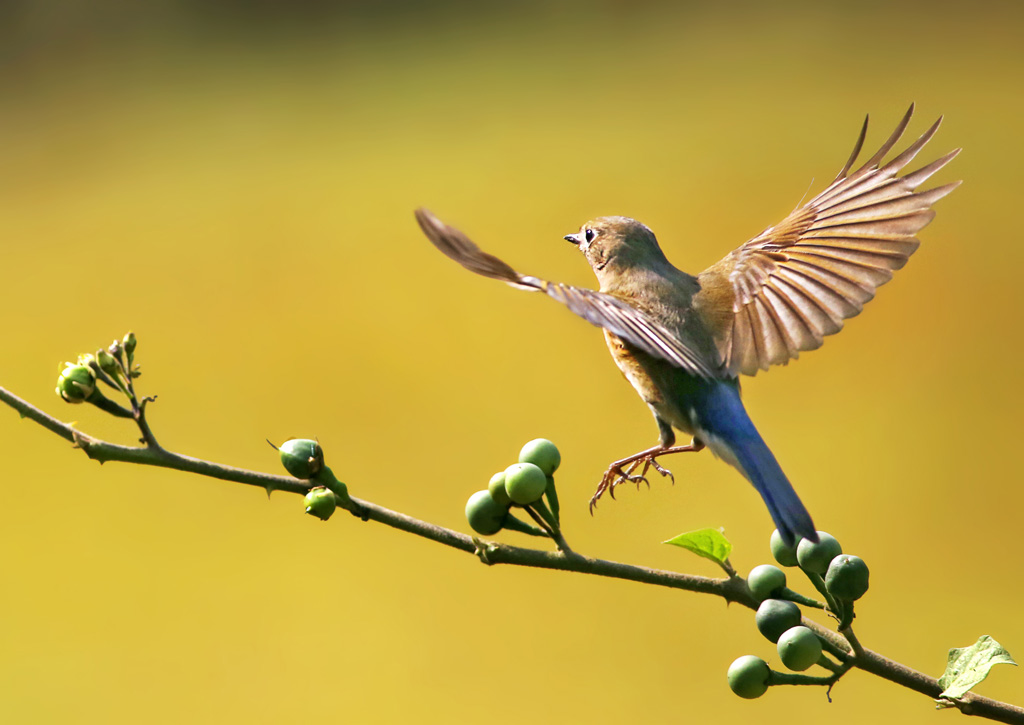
732,589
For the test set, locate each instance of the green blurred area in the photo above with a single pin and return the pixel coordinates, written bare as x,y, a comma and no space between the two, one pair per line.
235,182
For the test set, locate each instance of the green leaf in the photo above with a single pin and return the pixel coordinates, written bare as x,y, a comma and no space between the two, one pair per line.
709,543
967,666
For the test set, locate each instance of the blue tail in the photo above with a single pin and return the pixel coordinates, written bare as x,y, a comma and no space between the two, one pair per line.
724,426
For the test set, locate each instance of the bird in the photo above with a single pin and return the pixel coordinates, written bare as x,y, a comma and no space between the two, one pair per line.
684,341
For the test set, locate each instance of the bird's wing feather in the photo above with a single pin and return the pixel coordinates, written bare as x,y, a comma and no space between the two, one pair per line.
794,284
597,308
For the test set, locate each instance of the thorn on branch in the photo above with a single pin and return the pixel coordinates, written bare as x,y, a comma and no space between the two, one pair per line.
483,550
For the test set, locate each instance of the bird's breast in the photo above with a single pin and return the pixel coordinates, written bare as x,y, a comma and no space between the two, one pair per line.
629,361
660,384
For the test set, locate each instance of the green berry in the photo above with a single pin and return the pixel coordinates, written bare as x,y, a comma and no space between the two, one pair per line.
542,453
775,616
321,502
749,676
765,579
485,515
301,457
525,483
76,383
815,557
497,489
799,648
847,577
781,551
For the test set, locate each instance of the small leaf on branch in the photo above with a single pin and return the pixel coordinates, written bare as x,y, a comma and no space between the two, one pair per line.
709,543
967,666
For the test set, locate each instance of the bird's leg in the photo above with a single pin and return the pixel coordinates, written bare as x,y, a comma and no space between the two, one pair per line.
616,474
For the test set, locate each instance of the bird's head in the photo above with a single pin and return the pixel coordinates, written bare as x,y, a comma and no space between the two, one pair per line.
614,244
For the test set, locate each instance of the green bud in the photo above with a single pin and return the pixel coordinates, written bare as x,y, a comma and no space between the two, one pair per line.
497,489
781,551
129,343
542,453
775,616
763,580
485,515
847,577
749,676
115,348
816,556
525,483
107,363
301,457
799,648
76,383
321,502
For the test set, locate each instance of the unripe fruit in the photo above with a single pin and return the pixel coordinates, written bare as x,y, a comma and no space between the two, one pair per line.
781,551
799,648
765,579
775,616
76,383
321,502
484,514
525,483
301,457
748,676
542,453
497,489
815,557
847,577
129,343
107,362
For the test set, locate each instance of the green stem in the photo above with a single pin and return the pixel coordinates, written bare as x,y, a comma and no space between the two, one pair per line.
513,524
829,665
832,605
847,619
797,597
552,495
833,649
786,678
545,513
107,405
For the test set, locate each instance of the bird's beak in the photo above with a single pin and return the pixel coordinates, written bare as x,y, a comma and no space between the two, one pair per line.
576,238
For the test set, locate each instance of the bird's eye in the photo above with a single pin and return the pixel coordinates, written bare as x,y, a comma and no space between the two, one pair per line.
589,235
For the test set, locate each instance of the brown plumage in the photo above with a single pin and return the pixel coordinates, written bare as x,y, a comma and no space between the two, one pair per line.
795,283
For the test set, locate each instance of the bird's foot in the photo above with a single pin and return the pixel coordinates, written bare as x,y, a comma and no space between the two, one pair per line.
625,469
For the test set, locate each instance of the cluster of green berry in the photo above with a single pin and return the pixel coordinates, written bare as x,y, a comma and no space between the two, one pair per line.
114,366
839,578
526,485
304,459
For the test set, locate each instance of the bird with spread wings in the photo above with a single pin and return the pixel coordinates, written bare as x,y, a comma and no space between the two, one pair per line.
779,294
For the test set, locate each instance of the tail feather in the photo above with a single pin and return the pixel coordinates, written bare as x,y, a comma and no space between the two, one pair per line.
725,427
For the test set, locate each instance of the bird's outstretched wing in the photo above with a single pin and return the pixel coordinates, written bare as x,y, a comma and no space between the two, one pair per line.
598,308
795,283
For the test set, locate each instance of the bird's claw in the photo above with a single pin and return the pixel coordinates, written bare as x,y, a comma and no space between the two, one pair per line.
616,475
660,469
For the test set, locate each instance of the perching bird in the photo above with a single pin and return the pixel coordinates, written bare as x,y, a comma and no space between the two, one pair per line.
682,341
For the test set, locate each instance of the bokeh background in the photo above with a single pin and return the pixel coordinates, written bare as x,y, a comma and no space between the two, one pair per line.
235,181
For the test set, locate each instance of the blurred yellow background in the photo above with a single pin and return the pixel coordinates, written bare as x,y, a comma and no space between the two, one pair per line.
235,182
